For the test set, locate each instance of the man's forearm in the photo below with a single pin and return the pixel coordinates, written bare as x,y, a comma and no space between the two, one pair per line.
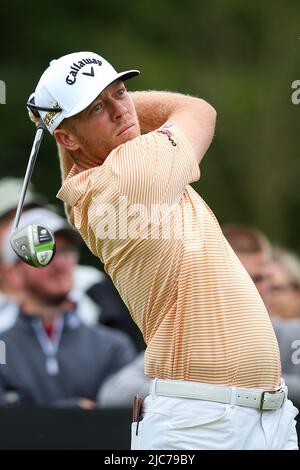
155,107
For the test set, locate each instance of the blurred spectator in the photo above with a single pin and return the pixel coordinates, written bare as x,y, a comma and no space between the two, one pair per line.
52,358
119,389
10,190
254,251
284,299
288,336
97,299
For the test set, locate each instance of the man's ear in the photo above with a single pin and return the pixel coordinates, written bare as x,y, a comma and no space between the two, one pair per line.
66,139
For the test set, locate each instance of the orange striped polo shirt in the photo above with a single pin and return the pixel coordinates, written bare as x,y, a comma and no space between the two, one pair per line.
200,313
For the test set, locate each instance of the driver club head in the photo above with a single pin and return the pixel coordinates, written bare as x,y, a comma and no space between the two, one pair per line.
34,244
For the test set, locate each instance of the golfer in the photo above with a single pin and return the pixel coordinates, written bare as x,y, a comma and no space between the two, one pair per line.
212,356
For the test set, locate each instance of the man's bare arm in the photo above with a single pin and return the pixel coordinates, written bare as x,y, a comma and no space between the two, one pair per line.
193,115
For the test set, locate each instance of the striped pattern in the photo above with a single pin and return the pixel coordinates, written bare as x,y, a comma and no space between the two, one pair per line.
201,316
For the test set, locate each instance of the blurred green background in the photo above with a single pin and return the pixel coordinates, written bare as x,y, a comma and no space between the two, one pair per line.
240,56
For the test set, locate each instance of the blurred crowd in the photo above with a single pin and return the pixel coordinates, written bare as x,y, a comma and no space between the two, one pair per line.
69,338
65,328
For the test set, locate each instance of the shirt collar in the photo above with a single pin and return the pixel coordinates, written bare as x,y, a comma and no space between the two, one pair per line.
74,185
70,318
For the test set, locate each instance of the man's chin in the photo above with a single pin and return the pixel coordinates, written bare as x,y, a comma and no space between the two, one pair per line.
130,134
57,299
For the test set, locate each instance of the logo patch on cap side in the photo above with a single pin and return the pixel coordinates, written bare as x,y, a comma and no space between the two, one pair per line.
77,66
50,115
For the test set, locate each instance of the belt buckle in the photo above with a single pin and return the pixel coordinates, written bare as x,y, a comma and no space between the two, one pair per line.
262,400
282,390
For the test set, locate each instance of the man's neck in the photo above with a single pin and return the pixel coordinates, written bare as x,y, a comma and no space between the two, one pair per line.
86,161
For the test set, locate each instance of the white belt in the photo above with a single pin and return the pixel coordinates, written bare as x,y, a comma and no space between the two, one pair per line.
253,398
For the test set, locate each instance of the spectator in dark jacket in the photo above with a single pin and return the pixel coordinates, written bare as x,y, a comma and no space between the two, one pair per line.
51,357
97,299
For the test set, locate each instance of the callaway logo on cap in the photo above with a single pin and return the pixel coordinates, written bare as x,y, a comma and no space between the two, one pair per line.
75,68
71,83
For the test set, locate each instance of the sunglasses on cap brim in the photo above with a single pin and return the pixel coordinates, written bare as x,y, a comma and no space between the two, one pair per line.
34,108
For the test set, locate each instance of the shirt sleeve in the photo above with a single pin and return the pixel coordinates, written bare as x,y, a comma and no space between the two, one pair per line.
155,168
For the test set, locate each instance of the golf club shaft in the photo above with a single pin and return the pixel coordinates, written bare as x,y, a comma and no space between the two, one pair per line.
31,162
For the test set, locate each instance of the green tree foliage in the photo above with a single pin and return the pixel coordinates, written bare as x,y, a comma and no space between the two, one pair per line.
240,56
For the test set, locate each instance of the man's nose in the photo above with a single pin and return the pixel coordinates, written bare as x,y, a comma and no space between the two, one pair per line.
118,110
62,261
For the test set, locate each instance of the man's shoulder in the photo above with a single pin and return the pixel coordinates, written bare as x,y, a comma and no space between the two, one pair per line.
145,151
8,313
166,130
14,331
75,185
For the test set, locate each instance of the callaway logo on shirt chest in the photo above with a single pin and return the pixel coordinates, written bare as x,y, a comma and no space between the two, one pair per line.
77,66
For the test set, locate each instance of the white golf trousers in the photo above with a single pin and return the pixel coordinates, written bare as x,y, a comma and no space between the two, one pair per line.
192,424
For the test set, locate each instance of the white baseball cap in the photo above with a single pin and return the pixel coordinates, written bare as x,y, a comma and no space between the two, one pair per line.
10,190
43,216
71,83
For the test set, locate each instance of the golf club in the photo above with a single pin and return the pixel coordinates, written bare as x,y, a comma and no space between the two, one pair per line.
34,244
